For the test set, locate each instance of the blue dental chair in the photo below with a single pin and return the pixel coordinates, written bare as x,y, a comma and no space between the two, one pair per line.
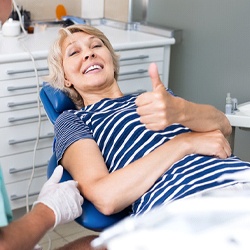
55,102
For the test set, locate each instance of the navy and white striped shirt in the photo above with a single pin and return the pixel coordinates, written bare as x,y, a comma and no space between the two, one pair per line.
115,126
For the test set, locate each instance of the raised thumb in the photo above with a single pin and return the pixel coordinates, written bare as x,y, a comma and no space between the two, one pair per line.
57,175
154,75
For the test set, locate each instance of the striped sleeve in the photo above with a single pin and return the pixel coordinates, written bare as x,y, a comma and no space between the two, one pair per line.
69,128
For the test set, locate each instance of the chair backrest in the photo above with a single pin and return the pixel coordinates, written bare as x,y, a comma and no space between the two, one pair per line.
55,102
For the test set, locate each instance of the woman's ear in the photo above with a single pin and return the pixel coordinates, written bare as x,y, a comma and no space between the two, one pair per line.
67,83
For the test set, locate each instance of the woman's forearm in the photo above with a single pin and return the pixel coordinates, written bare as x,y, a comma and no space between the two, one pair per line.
204,118
159,110
114,192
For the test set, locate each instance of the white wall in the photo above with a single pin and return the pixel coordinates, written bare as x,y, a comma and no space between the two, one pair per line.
214,56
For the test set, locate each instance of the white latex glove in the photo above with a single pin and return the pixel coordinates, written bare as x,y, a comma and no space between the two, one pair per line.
63,198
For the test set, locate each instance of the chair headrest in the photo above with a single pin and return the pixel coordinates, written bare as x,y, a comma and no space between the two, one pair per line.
59,100
54,101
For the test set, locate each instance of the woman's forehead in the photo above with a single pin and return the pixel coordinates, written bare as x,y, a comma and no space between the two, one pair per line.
78,37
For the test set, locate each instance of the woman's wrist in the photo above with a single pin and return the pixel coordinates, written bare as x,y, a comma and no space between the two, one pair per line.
185,143
182,110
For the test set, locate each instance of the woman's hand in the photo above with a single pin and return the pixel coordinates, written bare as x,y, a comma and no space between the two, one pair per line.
207,143
158,109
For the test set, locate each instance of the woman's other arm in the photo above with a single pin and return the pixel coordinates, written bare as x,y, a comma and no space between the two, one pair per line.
159,109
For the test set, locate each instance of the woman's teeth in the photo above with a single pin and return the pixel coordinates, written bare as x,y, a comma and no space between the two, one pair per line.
93,67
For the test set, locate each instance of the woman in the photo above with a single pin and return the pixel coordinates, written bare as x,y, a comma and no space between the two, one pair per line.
136,150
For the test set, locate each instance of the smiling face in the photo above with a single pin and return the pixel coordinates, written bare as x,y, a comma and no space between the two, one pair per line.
79,63
88,65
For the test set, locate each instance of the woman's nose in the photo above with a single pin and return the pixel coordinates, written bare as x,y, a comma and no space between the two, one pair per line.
89,56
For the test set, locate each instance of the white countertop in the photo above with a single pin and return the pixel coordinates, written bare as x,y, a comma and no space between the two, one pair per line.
12,49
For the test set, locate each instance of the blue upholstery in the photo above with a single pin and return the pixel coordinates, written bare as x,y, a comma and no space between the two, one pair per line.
55,102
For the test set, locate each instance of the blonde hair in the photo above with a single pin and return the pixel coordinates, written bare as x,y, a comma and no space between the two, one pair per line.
55,60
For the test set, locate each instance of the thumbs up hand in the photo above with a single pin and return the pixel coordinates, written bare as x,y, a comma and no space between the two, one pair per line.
157,109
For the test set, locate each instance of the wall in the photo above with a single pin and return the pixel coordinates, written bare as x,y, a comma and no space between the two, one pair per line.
214,56
126,10
116,11
45,9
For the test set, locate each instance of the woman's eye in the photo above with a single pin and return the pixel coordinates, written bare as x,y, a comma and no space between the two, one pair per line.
72,53
97,46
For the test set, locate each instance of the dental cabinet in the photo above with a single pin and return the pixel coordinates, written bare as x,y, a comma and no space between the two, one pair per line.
23,63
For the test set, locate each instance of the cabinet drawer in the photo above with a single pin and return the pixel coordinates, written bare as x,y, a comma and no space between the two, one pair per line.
22,138
141,56
23,69
17,117
136,71
18,102
19,86
17,191
19,167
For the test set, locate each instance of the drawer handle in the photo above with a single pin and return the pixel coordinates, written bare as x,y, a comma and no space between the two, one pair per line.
139,71
134,58
13,142
11,88
15,197
15,104
13,72
14,170
13,119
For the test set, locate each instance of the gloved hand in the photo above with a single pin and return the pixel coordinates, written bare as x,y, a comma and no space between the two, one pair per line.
63,198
